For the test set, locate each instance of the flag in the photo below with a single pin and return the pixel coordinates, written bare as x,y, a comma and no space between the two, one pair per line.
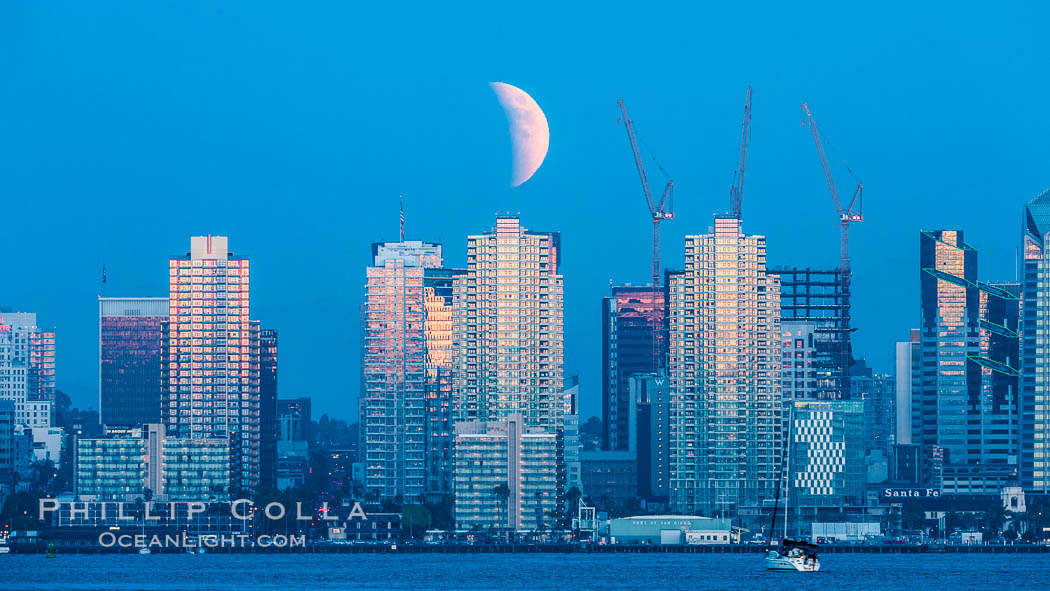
402,197
103,273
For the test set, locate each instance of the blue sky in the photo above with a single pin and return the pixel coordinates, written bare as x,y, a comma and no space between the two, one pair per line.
125,128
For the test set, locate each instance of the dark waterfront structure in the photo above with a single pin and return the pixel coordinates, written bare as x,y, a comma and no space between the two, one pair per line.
968,386
268,428
130,343
610,478
634,341
815,297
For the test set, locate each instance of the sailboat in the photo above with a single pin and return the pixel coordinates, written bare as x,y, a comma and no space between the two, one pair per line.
792,555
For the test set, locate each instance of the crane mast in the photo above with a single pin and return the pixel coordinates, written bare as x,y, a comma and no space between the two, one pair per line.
658,210
847,215
736,192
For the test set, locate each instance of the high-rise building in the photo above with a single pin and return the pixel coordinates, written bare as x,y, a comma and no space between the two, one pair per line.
907,372
123,467
508,327
813,301
799,360
437,336
268,428
7,446
827,454
27,368
130,340
634,341
393,406
211,356
968,387
1035,358
504,475
652,397
41,379
724,366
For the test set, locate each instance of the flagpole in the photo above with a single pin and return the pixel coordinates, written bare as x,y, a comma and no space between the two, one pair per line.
402,201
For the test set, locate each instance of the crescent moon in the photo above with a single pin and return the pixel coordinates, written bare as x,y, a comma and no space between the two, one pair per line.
529,134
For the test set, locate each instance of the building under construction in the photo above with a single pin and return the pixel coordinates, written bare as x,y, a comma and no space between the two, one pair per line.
815,309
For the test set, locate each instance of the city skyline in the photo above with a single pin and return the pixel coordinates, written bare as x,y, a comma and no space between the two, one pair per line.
932,149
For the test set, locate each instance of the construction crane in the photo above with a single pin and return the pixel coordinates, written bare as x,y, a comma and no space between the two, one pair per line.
848,214
736,192
660,211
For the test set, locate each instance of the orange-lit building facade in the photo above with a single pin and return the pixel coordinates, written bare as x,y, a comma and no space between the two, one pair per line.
437,329
724,366
509,328
394,405
210,374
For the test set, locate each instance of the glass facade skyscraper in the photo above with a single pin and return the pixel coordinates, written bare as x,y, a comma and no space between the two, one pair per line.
827,454
968,384
634,341
949,330
394,406
130,339
210,371
724,363
1035,364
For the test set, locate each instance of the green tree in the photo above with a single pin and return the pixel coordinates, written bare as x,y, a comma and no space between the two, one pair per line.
913,516
993,519
21,510
502,493
591,434
441,513
416,518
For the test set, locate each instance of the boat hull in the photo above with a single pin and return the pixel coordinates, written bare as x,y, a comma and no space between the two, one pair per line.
774,561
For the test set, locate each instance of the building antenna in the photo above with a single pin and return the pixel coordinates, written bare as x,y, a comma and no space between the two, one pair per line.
402,200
